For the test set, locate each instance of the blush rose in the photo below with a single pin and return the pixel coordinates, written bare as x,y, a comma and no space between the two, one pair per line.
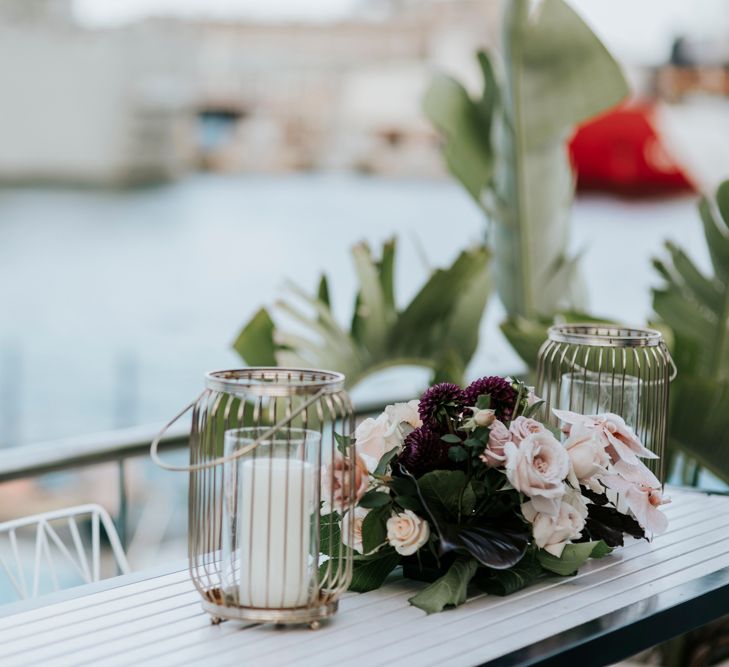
493,456
337,487
407,532
521,427
538,468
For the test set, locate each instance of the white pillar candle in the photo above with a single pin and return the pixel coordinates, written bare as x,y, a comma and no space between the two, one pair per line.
275,508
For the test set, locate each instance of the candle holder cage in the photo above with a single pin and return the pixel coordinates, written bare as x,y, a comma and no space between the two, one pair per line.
269,462
595,368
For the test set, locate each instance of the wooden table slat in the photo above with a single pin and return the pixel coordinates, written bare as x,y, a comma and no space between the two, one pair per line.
159,621
380,617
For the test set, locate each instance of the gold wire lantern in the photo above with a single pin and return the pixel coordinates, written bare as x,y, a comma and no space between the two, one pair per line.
592,369
263,445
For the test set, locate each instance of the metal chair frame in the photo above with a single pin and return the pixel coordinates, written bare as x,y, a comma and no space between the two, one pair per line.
75,554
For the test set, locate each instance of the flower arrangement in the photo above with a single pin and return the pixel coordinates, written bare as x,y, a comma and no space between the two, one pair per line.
469,486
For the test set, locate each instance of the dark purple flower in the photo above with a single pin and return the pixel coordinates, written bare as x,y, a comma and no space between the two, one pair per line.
424,451
440,402
503,395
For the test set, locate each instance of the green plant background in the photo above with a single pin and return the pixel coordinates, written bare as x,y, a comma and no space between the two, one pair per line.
507,147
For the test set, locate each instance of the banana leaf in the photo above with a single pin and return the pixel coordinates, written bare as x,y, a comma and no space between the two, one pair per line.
696,307
438,329
508,147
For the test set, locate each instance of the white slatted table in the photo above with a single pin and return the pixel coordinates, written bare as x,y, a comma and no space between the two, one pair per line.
614,607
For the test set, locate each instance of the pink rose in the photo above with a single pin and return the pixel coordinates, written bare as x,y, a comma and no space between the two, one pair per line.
342,483
552,532
521,427
538,468
588,458
493,456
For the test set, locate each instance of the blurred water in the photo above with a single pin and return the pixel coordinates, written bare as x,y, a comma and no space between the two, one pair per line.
114,303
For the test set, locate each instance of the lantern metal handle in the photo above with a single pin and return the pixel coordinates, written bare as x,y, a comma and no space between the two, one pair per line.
235,455
674,368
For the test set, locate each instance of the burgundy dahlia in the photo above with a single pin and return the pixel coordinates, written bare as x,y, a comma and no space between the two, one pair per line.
424,451
503,395
439,403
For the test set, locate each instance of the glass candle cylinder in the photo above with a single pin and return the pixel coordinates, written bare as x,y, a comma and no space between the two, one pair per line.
597,368
591,393
269,523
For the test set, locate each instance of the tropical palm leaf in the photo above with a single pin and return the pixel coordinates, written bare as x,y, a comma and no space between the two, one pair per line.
696,307
438,329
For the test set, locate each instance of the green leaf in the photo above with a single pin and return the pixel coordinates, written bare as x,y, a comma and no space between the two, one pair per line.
695,306
499,544
703,439
561,63
573,557
441,492
534,408
343,442
403,486
375,498
451,438
255,342
466,126
376,317
371,574
410,503
506,582
385,461
443,319
330,536
457,454
323,293
374,528
483,402
601,550
448,591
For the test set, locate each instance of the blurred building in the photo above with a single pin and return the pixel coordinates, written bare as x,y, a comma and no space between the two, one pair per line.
154,99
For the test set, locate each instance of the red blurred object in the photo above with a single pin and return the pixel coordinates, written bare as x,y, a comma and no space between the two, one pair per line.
621,152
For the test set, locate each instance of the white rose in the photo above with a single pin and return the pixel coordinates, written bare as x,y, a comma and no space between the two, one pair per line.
404,413
521,427
407,532
352,525
484,417
553,532
588,457
375,437
537,467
